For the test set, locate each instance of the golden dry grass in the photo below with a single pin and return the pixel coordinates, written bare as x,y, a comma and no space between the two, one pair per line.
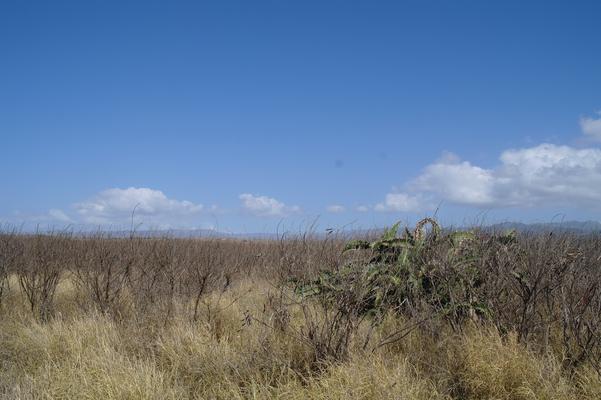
81,354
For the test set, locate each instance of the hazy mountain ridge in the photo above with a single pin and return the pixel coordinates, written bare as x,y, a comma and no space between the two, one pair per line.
565,226
580,227
576,227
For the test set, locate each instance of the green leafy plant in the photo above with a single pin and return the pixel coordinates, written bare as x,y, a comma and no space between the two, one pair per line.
403,275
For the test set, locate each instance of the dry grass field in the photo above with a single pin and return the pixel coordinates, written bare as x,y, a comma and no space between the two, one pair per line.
419,314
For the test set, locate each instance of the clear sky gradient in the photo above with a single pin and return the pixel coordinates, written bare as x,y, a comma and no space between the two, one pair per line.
241,115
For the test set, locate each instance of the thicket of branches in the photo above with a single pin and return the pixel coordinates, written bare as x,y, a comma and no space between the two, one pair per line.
544,287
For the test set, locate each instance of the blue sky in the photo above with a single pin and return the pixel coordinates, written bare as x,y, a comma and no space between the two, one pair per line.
245,115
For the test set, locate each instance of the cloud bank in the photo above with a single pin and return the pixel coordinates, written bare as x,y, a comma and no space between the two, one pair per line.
591,127
400,202
544,175
335,209
115,206
263,206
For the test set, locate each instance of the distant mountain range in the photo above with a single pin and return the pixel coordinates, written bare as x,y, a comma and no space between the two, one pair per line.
577,227
189,233
580,227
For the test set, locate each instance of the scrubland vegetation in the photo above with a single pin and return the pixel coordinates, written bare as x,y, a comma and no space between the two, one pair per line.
418,313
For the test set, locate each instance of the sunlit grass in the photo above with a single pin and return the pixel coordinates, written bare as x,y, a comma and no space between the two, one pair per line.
86,355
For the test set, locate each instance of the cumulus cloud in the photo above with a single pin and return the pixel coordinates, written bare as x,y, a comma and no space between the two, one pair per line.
401,202
115,206
335,209
51,218
59,215
263,206
537,176
591,127
456,181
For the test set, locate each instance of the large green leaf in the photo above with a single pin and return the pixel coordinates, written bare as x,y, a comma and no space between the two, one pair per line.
356,244
460,237
391,232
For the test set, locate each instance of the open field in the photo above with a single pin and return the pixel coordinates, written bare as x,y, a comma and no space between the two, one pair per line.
414,314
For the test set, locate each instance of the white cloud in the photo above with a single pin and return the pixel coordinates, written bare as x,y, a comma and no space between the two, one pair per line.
362,208
591,127
264,206
51,218
400,202
456,181
544,175
59,215
336,209
115,206
548,174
